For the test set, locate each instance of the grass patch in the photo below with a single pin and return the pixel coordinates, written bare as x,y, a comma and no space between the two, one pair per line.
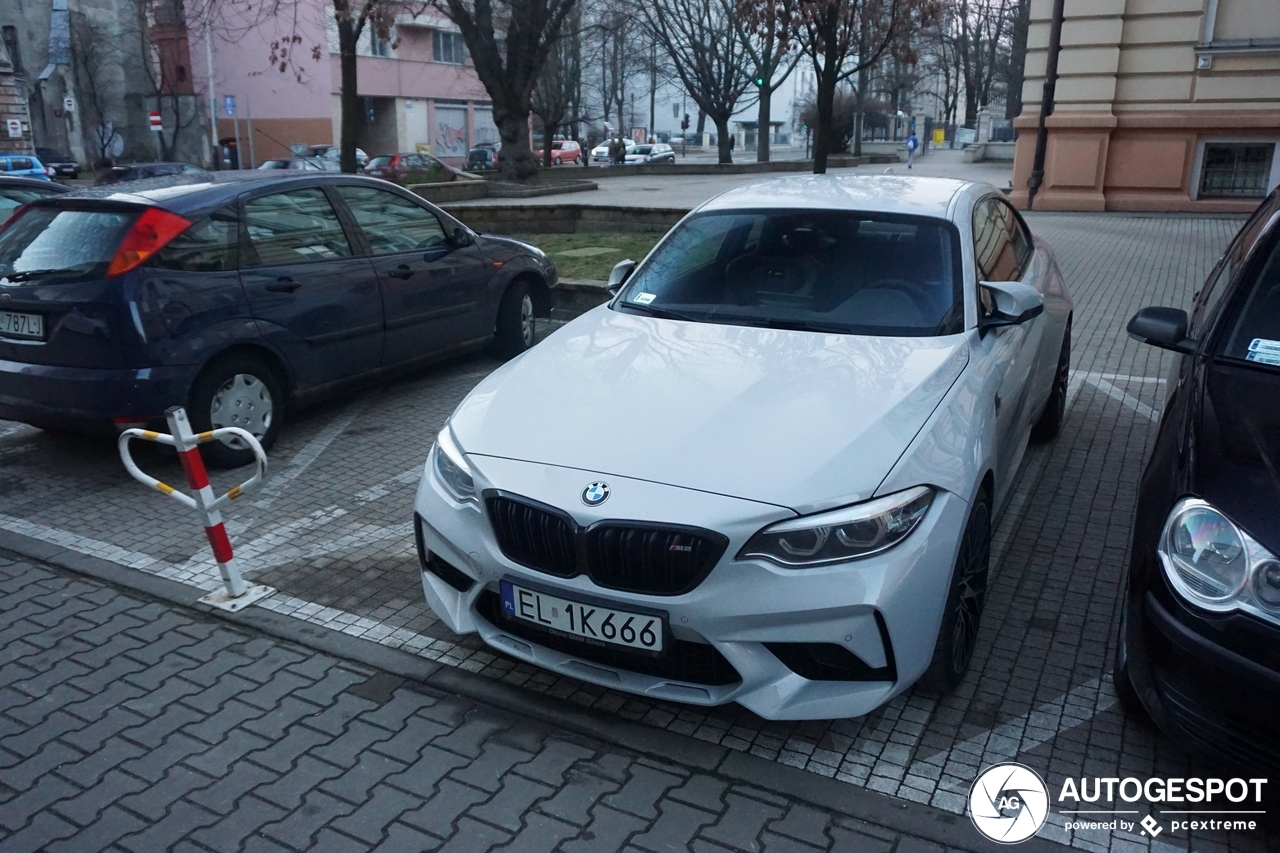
596,267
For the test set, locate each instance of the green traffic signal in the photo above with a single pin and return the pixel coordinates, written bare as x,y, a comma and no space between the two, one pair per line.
759,81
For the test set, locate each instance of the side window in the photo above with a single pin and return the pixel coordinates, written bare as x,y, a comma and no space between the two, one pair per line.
21,163
1001,248
210,245
392,223
1254,322
294,227
1217,284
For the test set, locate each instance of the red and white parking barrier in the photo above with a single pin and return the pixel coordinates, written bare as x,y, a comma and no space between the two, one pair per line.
237,594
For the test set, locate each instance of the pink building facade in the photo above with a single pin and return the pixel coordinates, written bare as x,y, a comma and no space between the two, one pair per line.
419,91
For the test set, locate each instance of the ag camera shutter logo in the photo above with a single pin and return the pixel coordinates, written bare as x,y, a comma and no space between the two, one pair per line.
1008,803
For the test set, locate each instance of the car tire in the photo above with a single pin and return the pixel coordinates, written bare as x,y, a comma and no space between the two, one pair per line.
1055,410
516,327
236,390
962,615
577,161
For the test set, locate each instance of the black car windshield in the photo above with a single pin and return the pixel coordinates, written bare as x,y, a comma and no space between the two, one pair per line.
46,242
830,271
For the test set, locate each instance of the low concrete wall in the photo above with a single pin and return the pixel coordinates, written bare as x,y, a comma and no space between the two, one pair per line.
573,296
594,172
987,152
452,191
565,218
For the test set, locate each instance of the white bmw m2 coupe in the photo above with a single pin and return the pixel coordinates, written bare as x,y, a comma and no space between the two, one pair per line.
765,471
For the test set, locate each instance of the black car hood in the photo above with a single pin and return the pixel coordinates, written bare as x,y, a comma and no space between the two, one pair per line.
1238,447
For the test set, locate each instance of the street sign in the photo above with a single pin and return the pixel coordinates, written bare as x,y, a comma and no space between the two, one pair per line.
153,118
229,104
15,128
69,104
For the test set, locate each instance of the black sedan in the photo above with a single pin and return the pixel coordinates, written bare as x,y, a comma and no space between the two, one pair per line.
240,295
62,163
1199,644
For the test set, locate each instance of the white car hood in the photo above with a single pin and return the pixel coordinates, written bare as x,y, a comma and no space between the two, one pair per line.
802,420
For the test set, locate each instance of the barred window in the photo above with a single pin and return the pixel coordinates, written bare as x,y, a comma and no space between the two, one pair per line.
1236,170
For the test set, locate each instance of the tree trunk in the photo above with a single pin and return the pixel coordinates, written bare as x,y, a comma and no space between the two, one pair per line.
548,131
1017,59
762,125
722,132
702,124
826,94
516,159
350,97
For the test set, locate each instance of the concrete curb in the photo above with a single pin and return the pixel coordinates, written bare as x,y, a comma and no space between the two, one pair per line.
876,809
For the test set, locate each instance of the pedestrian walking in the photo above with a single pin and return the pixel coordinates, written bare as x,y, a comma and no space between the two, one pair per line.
912,145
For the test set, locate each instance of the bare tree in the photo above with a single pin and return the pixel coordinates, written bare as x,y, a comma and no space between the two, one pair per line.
156,41
982,48
558,85
351,17
770,43
1015,71
705,41
510,42
95,58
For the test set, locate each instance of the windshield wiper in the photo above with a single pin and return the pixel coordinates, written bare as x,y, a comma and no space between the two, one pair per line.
27,275
778,323
661,313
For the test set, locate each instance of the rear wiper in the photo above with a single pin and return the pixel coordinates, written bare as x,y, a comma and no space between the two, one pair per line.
27,275
661,313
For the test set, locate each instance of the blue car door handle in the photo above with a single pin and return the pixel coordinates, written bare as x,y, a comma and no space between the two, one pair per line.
401,271
283,284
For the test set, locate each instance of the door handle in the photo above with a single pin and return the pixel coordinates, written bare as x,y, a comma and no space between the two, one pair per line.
401,271
283,284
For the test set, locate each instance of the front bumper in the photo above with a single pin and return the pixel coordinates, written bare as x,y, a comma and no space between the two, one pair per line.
87,399
1196,688
885,610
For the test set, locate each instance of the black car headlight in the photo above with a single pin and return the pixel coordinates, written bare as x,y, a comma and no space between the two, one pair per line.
1215,565
861,530
450,468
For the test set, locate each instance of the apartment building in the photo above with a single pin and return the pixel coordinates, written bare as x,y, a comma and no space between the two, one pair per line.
281,76
1162,105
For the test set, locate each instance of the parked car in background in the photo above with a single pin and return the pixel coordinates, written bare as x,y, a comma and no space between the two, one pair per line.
331,157
23,166
562,151
481,159
242,295
15,192
297,164
1199,637
813,568
410,168
600,154
650,154
62,163
141,171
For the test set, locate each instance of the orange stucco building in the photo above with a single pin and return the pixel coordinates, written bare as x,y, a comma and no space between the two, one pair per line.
1162,105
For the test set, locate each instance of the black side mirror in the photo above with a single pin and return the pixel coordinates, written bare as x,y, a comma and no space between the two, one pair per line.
1162,327
1014,303
461,238
617,278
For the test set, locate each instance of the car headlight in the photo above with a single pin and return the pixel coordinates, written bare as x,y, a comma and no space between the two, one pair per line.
451,469
1215,565
843,534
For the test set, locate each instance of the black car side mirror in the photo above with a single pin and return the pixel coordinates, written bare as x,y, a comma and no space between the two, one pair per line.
1162,327
461,238
617,278
1014,303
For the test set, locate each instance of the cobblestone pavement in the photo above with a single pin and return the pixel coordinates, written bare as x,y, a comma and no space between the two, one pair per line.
130,725
331,532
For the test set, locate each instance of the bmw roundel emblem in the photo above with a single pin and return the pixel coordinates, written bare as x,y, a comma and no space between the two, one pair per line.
595,494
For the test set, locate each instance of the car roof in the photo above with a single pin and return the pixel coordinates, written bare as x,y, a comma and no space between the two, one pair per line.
34,183
917,196
194,193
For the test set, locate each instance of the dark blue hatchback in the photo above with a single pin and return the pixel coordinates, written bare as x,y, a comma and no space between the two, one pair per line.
240,295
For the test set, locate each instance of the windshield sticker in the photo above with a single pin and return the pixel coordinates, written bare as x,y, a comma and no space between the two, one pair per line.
646,298
1264,351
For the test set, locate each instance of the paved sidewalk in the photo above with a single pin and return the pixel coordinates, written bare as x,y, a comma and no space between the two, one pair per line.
135,725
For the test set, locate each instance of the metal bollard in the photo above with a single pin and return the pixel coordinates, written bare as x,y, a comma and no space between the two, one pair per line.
237,595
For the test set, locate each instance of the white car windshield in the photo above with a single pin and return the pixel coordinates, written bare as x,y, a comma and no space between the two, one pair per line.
827,271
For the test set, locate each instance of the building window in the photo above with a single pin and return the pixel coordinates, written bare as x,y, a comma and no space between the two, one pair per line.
378,46
1236,169
11,45
448,47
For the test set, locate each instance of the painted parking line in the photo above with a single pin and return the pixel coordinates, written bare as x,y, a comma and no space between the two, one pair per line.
302,460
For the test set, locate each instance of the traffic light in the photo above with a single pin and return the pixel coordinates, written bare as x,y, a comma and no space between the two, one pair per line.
759,81
684,125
